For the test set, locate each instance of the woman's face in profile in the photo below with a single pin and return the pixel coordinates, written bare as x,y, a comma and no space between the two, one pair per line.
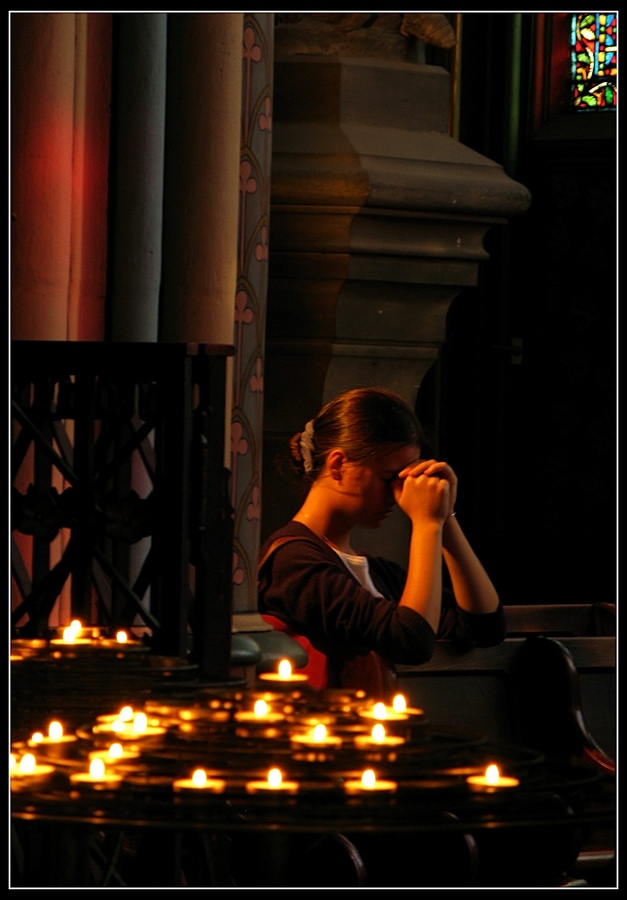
368,486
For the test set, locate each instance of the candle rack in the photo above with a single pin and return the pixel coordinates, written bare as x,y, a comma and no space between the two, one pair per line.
425,800
119,447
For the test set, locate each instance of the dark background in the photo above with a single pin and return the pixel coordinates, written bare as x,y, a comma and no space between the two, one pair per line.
532,435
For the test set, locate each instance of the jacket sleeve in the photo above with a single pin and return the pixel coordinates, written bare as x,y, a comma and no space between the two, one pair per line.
468,629
308,587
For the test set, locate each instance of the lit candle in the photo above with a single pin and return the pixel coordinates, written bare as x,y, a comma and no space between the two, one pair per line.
56,743
115,753
383,713
378,737
125,714
121,641
136,728
369,783
273,784
72,635
27,770
491,780
97,777
399,705
318,736
284,675
199,782
261,713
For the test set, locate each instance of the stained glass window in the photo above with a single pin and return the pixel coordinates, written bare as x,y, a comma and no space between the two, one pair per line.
594,61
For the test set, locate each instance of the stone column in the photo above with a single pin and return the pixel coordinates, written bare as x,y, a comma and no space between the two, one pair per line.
202,152
138,176
42,122
378,220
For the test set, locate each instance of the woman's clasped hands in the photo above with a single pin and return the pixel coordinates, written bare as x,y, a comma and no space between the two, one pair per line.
426,489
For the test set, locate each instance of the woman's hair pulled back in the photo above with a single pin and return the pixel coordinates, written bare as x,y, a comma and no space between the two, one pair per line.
358,421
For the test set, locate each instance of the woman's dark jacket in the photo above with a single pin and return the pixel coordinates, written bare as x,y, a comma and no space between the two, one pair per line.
305,584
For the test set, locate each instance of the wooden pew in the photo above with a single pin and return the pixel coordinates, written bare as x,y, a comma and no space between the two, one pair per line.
551,685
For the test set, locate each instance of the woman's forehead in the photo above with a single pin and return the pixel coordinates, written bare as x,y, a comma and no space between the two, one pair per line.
395,458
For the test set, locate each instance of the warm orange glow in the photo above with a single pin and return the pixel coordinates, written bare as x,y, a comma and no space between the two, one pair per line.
285,668
492,774
55,731
368,779
319,733
399,703
379,711
140,723
378,733
275,778
27,764
199,778
261,708
96,768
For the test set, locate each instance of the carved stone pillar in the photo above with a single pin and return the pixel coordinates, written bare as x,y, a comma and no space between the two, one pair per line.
377,222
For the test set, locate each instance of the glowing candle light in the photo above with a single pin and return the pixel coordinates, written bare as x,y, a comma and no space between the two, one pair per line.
273,783
121,637
284,675
199,781
315,737
55,731
491,780
399,704
369,783
56,743
27,770
97,777
261,713
115,753
125,727
383,713
378,737
27,764
72,635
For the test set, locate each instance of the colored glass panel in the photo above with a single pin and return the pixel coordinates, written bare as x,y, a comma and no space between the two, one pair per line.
594,61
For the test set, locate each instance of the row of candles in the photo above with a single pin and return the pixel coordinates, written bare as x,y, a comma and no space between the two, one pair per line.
122,735
24,766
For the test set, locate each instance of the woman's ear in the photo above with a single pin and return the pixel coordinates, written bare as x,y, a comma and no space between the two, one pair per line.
335,463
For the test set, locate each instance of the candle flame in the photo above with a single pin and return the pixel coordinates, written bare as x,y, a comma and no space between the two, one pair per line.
399,704
121,637
261,708
275,778
379,711
319,732
12,762
69,635
285,668
492,774
118,726
140,723
368,779
27,764
76,626
116,751
126,714
378,733
37,737
97,767
199,778
55,731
